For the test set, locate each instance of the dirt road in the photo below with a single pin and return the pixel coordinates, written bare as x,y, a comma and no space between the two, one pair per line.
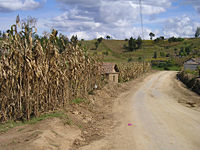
156,120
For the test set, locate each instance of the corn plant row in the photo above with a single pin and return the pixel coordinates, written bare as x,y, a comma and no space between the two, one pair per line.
35,78
132,70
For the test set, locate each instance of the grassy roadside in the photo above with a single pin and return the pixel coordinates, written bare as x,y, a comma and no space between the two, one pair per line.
172,68
11,124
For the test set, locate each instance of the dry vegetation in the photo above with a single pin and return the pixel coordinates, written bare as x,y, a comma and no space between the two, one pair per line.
35,78
132,70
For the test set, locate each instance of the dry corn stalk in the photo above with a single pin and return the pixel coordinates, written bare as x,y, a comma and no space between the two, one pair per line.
132,70
36,78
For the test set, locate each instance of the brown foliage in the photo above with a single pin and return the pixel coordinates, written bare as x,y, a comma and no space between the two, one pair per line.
35,79
132,70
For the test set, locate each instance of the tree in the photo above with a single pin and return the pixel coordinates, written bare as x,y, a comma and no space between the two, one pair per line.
108,37
162,37
139,42
100,40
155,55
197,33
131,44
151,35
162,54
188,50
96,44
182,52
0,33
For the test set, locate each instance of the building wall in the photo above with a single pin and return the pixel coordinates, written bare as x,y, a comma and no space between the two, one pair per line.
113,78
190,67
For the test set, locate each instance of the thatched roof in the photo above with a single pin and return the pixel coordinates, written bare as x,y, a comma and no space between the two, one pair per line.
108,68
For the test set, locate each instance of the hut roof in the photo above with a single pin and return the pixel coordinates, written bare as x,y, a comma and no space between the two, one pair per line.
109,68
193,61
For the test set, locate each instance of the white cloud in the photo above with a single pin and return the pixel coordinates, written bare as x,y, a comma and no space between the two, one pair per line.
13,5
180,27
118,18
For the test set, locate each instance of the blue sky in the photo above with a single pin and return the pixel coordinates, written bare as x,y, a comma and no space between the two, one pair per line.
97,18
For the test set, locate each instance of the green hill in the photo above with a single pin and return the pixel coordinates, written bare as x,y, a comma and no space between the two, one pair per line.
114,51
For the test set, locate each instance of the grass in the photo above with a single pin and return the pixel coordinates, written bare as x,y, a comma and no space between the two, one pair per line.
172,68
11,124
116,53
195,73
78,100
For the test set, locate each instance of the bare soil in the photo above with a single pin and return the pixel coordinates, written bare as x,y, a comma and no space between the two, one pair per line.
158,113
155,111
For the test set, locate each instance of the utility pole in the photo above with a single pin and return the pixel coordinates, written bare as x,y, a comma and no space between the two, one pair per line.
141,19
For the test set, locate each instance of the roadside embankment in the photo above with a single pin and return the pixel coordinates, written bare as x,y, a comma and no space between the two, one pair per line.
190,81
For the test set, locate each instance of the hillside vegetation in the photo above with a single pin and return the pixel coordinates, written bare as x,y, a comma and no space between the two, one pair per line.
114,50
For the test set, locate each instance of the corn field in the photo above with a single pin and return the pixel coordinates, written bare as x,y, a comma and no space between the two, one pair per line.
35,78
132,70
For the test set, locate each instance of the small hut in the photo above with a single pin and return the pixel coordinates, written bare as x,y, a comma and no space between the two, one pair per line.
111,71
192,64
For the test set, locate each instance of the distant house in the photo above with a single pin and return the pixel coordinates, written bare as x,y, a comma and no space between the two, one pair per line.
111,71
191,64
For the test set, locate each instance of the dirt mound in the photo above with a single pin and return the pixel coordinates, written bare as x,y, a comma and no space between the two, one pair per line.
47,134
190,81
185,96
88,121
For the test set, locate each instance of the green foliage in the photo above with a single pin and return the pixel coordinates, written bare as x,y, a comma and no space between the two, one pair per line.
133,44
108,37
106,53
100,40
197,33
198,68
188,50
182,52
162,54
119,52
151,35
139,42
78,100
130,59
157,40
96,44
165,65
11,124
139,59
173,39
155,55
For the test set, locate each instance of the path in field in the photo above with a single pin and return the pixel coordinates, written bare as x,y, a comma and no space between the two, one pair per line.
158,121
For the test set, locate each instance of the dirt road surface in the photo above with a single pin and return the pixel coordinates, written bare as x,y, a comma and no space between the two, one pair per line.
150,117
